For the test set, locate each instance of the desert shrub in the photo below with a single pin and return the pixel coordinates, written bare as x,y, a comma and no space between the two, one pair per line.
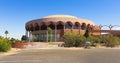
79,40
4,45
69,39
111,41
94,40
73,40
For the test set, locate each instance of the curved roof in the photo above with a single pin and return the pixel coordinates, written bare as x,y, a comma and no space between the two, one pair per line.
57,16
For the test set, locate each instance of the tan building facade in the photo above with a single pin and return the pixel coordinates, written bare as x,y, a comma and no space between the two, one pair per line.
60,24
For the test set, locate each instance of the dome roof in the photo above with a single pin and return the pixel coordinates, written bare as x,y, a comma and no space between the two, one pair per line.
58,16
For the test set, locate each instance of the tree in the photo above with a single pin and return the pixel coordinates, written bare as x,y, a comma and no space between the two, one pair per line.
5,44
6,32
49,34
24,38
86,33
12,39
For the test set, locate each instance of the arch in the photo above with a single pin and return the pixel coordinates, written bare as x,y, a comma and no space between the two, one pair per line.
27,28
51,22
36,26
43,26
104,27
68,25
60,25
91,27
51,25
41,23
109,27
31,27
76,25
83,26
88,25
60,22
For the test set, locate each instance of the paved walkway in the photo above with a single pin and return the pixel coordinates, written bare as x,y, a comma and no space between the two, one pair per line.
62,55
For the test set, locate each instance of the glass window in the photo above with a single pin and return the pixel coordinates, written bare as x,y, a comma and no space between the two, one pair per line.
68,26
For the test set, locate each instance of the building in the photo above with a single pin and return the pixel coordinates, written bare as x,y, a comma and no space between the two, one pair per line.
60,24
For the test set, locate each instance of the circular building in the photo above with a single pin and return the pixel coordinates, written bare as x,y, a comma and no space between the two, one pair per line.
55,26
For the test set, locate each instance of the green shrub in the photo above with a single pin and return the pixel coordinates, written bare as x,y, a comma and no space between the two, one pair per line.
111,41
13,40
79,40
4,45
73,40
94,40
69,39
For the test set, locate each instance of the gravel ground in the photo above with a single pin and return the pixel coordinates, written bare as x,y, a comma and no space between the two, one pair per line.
64,55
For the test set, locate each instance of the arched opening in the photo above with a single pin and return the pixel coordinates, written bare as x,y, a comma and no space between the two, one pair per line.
43,27
31,27
83,27
28,28
88,26
68,25
76,26
36,27
91,27
51,25
60,25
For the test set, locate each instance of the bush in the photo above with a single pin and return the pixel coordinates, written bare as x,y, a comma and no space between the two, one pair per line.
94,40
111,41
69,39
13,40
79,40
73,40
4,45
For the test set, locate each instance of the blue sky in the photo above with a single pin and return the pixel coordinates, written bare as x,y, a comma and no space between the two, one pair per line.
15,13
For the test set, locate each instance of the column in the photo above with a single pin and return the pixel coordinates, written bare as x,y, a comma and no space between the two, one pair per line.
79,29
64,28
26,35
55,32
29,36
71,28
47,34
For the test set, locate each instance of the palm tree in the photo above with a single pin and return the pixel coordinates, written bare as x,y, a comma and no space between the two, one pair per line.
6,32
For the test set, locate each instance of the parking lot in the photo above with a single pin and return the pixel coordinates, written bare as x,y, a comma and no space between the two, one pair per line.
64,55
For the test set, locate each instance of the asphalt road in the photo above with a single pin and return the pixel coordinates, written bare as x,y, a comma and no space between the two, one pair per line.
96,55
